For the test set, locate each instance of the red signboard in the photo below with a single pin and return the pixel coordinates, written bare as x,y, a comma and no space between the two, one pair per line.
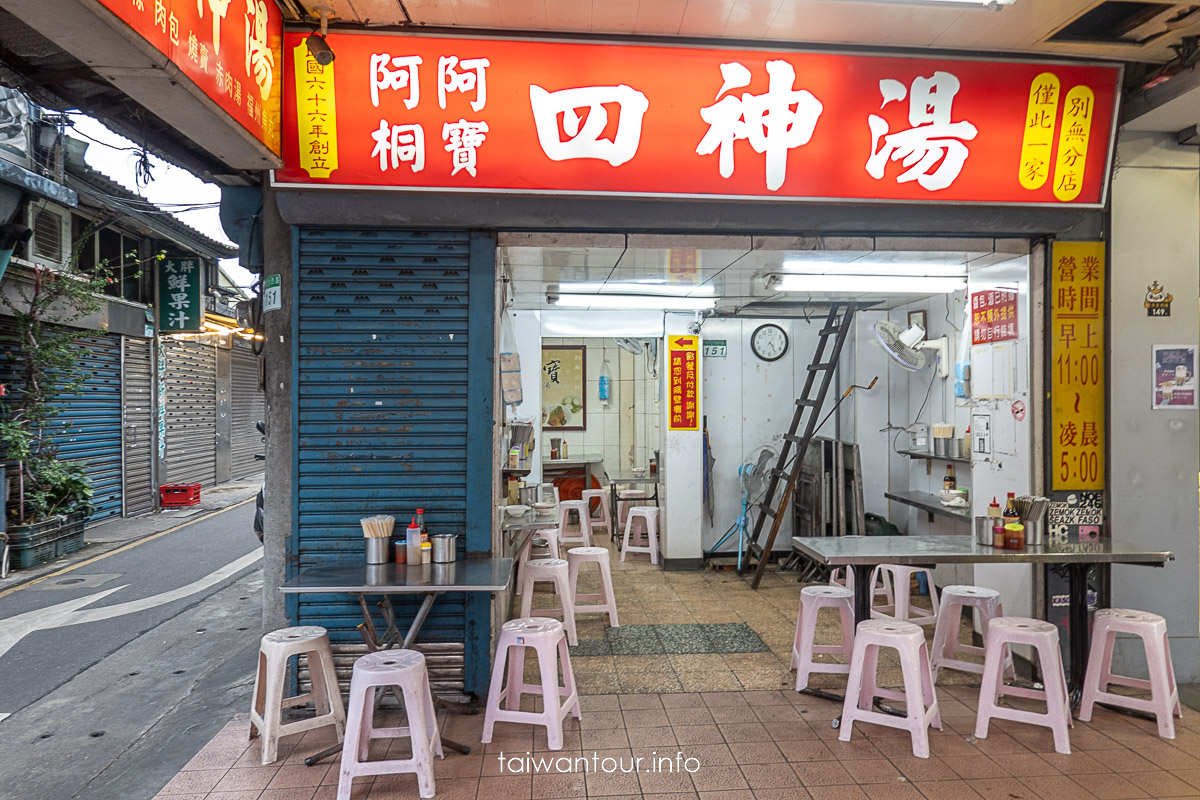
993,316
229,48
683,358
581,118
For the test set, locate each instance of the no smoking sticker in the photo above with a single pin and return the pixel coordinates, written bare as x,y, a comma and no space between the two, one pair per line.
1018,410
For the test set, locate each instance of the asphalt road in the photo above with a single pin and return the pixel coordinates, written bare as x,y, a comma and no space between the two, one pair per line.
114,673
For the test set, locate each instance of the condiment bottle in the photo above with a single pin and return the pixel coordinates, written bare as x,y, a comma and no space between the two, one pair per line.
414,542
998,535
402,552
426,552
948,482
421,524
994,509
1014,536
1010,509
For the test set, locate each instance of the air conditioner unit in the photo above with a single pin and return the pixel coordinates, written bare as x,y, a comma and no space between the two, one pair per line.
50,245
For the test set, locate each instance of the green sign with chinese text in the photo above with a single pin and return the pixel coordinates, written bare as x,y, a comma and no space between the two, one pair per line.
180,306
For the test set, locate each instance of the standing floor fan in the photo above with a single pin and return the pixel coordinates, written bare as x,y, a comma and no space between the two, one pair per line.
753,476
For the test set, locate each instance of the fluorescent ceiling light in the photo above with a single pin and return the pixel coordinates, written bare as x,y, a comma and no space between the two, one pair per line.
865,284
640,287
631,301
874,268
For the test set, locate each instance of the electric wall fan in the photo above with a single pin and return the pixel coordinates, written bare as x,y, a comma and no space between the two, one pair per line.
906,346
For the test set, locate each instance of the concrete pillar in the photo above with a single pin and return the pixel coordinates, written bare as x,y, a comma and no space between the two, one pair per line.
280,369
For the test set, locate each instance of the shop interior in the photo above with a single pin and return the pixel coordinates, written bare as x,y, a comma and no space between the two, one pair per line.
606,304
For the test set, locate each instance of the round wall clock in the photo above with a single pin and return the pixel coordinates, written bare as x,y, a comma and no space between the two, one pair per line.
769,342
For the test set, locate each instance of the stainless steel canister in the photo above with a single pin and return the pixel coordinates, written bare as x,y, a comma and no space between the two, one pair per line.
1035,530
528,495
443,548
378,549
983,530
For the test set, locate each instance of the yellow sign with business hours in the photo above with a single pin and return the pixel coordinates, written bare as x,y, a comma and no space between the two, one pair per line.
1077,365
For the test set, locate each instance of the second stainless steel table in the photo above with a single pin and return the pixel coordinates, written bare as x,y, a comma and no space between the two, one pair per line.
864,553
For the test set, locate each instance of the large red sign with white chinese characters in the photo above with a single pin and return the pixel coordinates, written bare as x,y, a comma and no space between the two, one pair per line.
993,316
490,115
229,48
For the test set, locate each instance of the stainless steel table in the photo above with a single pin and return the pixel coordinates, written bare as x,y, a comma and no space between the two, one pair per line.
431,580
864,553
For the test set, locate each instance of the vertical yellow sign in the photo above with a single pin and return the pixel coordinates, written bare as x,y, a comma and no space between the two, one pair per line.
683,360
1073,139
1077,365
316,114
1040,119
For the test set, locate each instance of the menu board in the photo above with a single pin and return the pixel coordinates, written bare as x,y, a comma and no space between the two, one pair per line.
1077,365
683,358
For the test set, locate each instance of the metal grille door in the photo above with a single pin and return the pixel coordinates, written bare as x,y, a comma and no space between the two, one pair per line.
88,426
247,409
191,378
138,415
382,411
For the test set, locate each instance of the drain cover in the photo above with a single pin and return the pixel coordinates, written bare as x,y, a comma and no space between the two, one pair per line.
77,581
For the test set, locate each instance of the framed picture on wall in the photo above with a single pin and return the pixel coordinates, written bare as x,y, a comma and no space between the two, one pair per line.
564,387
917,318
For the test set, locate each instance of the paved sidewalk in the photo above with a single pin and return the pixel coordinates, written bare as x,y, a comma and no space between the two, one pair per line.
113,534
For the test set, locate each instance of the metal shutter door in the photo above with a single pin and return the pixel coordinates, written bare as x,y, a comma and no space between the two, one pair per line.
247,409
137,387
191,378
88,426
381,413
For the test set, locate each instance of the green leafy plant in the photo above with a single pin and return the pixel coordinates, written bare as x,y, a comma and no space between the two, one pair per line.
51,308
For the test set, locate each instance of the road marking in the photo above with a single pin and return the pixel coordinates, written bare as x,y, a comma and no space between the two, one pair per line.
14,629
5,715
123,548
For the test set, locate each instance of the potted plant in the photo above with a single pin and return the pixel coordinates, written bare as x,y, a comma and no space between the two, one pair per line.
51,309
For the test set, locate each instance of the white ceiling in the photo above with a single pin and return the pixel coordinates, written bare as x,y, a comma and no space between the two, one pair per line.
733,266
1020,28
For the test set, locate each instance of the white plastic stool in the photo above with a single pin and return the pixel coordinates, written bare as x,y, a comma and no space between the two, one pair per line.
901,609
584,536
546,638
556,571
920,700
883,589
1000,634
812,600
624,496
406,670
604,602
946,644
604,520
649,518
266,709
1164,694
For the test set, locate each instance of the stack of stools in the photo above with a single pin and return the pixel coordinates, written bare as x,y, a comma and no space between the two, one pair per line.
646,517
625,500
606,601
883,589
1000,634
584,535
266,710
556,571
900,576
946,644
546,638
812,600
920,700
404,669
604,520
1164,694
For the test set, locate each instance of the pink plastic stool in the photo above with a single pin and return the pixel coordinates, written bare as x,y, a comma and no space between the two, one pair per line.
1000,634
946,644
920,700
883,590
648,515
390,668
604,520
546,638
624,498
1164,694
584,535
900,609
606,601
556,571
812,600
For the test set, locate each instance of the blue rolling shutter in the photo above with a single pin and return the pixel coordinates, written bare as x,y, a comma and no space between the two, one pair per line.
381,427
88,425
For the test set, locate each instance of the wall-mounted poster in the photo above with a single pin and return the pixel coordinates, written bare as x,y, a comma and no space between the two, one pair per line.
1174,376
682,352
564,395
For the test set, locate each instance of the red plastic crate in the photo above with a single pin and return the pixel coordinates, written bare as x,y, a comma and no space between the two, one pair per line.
179,494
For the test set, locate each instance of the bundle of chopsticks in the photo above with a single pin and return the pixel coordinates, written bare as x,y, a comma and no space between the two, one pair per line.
942,431
378,527
1032,508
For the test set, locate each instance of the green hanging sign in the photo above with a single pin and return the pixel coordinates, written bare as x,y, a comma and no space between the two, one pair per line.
180,306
